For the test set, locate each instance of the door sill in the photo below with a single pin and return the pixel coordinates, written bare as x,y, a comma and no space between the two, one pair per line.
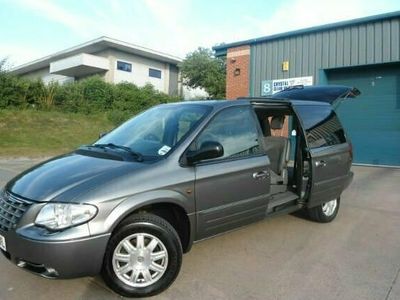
281,201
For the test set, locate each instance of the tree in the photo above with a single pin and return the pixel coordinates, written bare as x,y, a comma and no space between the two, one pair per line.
202,69
4,65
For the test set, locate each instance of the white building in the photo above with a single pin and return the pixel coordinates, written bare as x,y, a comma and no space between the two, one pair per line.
116,61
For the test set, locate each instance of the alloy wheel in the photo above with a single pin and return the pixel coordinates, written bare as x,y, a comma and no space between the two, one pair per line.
140,260
329,208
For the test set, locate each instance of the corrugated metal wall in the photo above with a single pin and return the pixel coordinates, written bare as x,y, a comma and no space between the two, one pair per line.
370,43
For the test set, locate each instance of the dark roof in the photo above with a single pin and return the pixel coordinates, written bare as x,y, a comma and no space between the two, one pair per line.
213,103
269,100
220,50
322,93
216,104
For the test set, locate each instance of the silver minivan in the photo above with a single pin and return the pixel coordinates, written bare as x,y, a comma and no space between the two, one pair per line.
128,205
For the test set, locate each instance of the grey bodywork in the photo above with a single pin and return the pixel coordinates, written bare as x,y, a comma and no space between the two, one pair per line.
225,196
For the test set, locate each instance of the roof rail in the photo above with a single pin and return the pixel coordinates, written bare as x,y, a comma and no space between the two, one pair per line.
294,87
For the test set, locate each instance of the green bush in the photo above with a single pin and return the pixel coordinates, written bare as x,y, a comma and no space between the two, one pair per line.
35,92
130,100
13,91
69,97
126,97
91,95
97,93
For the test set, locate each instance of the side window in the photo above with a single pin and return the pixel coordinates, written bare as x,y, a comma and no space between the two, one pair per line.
154,73
235,129
322,126
124,66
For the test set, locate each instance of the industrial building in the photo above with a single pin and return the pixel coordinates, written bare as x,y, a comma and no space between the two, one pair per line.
364,53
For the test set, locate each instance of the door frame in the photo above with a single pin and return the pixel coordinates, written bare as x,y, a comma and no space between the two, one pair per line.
260,201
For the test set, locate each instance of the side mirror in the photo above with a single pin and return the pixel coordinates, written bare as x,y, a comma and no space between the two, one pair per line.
208,150
101,134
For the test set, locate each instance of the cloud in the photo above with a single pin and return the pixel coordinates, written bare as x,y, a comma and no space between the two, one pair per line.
17,54
53,12
300,14
180,29
171,18
177,26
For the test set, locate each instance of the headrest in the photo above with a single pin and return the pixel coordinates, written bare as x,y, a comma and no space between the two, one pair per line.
277,122
266,129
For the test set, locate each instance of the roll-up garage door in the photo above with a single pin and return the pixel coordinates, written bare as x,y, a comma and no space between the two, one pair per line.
372,120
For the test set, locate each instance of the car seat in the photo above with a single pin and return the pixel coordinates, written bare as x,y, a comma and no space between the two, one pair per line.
277,149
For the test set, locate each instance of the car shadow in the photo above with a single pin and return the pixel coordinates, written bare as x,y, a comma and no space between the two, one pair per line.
301,214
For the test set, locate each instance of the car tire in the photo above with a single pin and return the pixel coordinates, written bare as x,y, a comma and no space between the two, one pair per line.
129,268
325,212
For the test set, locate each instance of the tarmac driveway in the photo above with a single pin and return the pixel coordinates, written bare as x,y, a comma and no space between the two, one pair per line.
355,257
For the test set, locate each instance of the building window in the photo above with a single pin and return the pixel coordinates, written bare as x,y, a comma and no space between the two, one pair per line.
154,73
124,66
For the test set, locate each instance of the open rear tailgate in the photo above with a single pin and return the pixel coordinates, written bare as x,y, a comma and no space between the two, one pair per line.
322,93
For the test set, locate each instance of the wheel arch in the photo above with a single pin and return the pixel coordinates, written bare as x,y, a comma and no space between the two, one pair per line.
172,210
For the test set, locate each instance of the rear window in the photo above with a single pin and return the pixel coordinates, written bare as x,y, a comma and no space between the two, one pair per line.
322,126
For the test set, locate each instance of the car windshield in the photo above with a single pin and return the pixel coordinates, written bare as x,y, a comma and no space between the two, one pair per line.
155,132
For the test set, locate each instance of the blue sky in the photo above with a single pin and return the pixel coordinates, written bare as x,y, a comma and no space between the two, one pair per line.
30,29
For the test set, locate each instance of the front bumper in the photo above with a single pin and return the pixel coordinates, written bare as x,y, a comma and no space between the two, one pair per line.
57,259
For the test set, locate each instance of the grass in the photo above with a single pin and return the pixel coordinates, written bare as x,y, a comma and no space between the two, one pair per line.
32,133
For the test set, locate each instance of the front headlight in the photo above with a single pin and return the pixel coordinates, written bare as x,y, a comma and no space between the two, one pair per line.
57,216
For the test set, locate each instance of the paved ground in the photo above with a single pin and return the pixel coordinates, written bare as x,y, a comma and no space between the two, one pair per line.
355,257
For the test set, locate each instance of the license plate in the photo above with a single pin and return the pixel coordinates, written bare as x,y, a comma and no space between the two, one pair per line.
3,243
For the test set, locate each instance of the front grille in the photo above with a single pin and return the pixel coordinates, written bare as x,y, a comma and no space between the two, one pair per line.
12,209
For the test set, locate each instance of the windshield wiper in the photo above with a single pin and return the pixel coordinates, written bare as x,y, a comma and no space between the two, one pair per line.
138,156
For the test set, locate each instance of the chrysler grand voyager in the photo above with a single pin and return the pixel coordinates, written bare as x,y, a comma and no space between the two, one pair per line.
128,205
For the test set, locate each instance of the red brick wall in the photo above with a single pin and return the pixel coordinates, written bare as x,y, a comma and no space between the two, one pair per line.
237,72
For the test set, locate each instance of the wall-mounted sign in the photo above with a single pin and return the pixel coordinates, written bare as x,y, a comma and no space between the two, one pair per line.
270,87
285,66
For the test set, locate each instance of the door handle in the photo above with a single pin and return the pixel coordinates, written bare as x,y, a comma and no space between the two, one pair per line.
320,163
260,175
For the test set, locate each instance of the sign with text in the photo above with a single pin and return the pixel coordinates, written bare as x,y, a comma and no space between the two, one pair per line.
270,87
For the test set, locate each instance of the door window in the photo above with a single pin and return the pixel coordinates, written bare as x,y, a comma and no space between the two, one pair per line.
322,126
236,130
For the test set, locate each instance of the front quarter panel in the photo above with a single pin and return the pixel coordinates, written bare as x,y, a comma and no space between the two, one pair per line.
110,216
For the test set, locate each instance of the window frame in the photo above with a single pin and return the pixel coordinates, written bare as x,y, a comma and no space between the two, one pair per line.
229,159
157,70
126,63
